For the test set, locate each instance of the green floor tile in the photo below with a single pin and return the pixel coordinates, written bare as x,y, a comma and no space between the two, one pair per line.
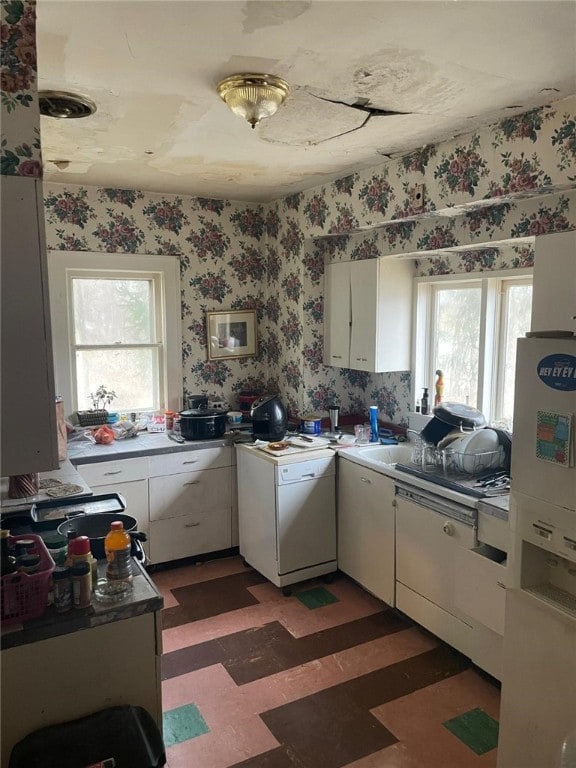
316,598
476,729
183,723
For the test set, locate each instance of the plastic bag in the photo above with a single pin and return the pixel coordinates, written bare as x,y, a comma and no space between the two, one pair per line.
104,435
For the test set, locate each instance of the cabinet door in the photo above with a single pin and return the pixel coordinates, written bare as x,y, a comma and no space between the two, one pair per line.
188,535
364,302
207,491
554,287
337,314
190,461
366,528
29,442
426,546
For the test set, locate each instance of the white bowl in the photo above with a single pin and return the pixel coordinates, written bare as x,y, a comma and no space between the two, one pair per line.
477,451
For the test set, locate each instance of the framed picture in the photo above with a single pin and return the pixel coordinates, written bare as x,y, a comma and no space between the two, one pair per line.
231,334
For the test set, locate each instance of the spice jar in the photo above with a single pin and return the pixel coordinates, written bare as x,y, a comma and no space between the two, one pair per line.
62,589
81,584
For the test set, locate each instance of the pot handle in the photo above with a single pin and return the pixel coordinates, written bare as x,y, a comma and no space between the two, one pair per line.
138,535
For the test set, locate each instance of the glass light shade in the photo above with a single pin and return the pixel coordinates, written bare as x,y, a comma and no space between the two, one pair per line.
253,97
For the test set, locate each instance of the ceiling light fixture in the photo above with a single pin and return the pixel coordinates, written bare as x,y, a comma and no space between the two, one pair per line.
253,97
65,105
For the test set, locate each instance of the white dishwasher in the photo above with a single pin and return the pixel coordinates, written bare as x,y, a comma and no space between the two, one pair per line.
287,513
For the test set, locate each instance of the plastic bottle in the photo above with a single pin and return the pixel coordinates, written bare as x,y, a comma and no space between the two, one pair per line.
424,402
81,553
62,589
118,545
81,584
373,423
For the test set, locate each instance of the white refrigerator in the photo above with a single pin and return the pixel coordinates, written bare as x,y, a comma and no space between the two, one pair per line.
538,705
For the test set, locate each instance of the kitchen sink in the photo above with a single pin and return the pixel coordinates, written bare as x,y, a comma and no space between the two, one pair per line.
386,454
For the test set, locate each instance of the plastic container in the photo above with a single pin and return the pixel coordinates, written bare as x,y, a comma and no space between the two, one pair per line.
373,423
117,546
62,585
81,584
24,596
57,546
311,424
79,551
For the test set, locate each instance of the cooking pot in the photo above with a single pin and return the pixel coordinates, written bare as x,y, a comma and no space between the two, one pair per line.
449,415
201,424
97,525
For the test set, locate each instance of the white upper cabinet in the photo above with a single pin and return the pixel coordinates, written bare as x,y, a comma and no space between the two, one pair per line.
367,314
337,317
554,288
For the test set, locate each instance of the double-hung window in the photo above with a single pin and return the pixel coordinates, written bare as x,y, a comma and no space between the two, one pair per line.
468,328
116,322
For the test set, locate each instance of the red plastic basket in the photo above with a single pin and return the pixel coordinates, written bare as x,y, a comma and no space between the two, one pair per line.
25,595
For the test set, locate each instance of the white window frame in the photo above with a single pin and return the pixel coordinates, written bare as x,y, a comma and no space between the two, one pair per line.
492,307
165,270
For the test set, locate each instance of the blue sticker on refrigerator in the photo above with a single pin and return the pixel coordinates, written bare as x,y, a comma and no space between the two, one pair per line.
558,372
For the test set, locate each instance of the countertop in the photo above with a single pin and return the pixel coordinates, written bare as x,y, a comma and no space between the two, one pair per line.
144,444
65,474
144,598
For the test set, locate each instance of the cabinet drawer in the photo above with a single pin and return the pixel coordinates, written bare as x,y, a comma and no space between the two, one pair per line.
209,490
114,472
480,588
192,534
190,461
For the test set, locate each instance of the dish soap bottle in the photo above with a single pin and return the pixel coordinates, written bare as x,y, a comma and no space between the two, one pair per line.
118,545
373,423
424,402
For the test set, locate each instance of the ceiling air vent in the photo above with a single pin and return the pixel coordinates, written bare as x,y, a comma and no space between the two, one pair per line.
65,105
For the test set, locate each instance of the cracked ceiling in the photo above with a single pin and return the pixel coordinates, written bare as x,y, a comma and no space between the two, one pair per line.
368,80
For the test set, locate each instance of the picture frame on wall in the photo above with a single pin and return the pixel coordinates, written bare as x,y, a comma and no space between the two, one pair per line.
231,334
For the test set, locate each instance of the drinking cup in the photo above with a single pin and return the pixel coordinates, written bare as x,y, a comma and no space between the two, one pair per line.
362,433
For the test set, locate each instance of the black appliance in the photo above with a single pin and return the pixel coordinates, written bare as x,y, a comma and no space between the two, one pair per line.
200,424
269,418
198,402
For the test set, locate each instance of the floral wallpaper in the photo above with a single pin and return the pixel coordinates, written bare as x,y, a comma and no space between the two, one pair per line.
514,179
20,144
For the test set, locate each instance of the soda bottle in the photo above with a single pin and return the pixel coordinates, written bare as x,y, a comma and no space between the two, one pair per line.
117,546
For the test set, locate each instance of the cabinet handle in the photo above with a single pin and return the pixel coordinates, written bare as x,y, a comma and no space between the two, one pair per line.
191,461
191,525
310,474
116,472
192,482
366,480
448,529
501,584
337,357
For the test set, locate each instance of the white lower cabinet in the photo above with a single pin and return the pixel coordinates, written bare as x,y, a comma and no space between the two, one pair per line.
184,501
366,546
129,477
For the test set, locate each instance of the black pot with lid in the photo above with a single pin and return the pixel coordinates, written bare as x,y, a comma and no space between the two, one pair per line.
449,416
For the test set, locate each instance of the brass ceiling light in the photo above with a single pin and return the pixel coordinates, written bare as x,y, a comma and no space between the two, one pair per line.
253,97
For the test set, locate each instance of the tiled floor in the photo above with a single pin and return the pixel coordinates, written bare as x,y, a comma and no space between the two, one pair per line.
327,678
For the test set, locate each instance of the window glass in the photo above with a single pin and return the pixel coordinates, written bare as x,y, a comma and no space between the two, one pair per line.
112,311
131,373
456,342
515,322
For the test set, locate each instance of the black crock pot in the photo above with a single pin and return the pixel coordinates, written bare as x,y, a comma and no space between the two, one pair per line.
201,424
